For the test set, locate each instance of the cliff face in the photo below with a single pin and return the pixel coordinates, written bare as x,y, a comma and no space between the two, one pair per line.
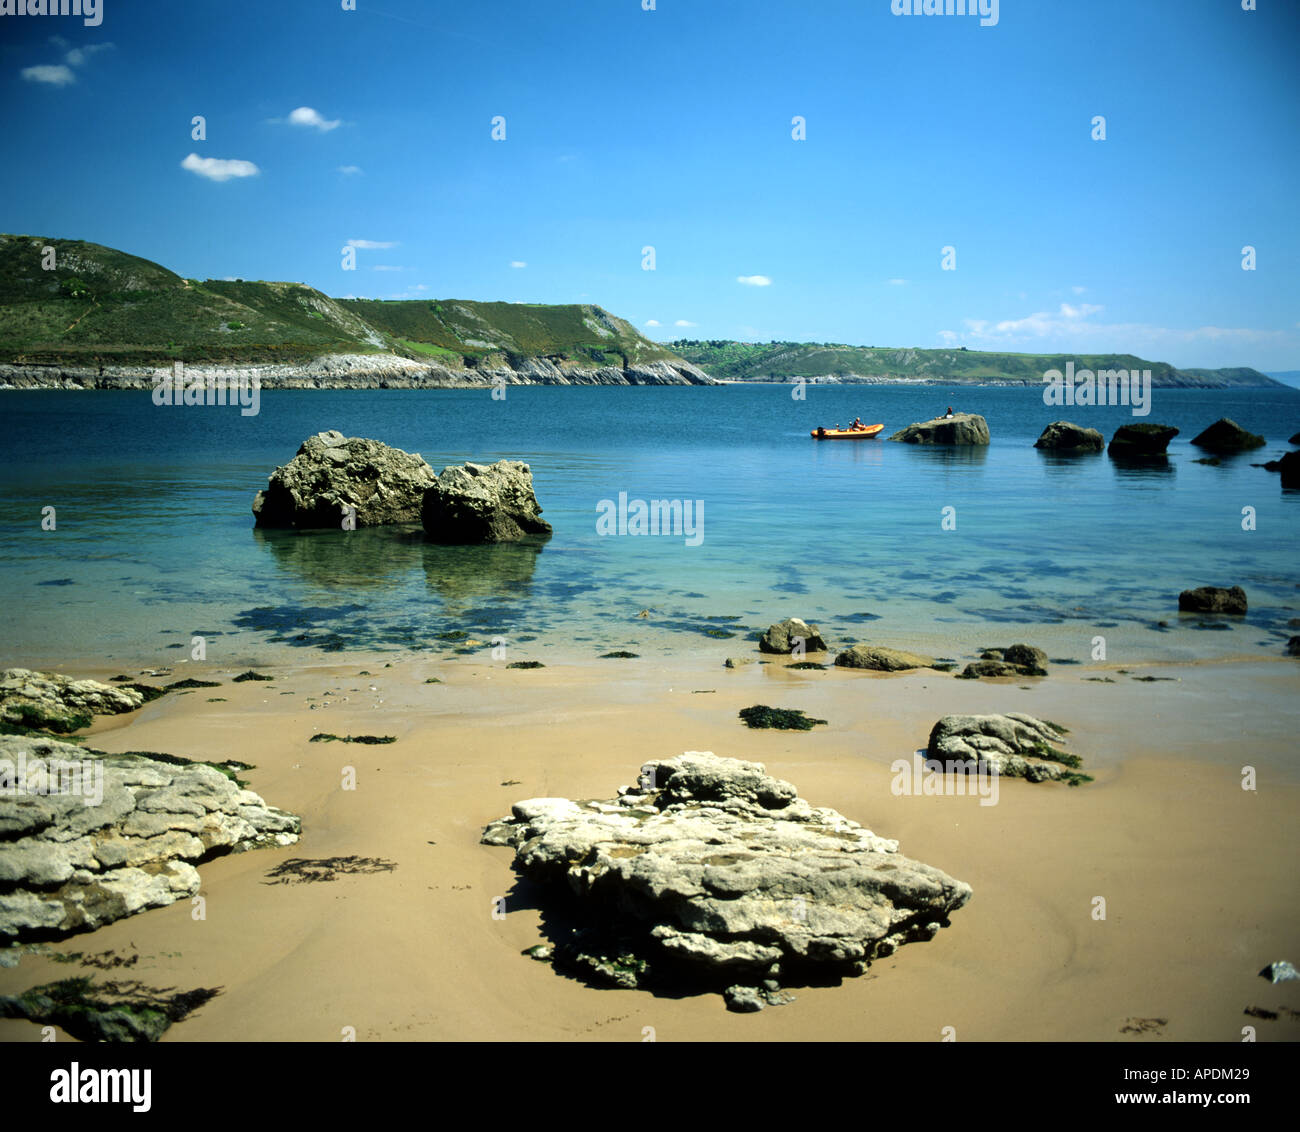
359,371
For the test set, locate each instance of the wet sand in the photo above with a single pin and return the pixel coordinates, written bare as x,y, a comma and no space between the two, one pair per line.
1198,875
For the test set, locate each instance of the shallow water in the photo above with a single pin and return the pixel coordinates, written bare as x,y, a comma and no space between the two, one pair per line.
155,539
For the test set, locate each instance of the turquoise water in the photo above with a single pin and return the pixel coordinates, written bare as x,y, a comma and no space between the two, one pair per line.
155,539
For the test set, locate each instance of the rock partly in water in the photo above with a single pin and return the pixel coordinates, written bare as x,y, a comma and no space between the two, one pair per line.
480,503
91,837
1227,435
1141,440
1213,599
882,659
1014,745
1293,647
1280,972
334,477
959,429
1018,660
786,636
710,875
1065,436
1289,467
52,702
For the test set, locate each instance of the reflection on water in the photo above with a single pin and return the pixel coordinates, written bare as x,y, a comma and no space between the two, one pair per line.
368,558
1141,467
461,575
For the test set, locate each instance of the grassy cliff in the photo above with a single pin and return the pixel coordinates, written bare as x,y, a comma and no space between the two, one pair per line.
782,361
102,306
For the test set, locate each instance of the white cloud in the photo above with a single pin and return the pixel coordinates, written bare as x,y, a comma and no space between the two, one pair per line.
518,263
654,322
386,267
683,322
78,55
219,169
60,74
369,244
898,282
754,280
53,74
1078,290
350,170
311,119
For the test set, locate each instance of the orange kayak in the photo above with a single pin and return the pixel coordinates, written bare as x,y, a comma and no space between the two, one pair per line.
848,433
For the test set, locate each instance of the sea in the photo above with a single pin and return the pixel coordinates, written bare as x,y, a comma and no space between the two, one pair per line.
126,532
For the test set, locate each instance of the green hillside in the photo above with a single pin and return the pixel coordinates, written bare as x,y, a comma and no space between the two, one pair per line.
102,306
782,361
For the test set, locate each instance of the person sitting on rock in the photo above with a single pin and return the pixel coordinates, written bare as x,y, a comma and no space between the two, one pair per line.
948,414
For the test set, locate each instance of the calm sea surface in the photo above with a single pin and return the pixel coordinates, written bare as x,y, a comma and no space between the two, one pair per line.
155,538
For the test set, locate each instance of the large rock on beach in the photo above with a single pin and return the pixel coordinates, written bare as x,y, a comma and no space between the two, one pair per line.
882,659
480,503
711,875
784,636
334,476
959,429
1227,435
1064,436
59,703
1014,745
89,838
1213,599
1139,440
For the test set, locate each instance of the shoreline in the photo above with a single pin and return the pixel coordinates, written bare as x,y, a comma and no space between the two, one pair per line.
1196,871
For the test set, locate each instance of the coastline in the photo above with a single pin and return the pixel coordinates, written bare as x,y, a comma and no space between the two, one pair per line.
1196,871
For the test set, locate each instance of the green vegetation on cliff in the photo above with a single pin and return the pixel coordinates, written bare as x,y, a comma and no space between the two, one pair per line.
782,361
100,306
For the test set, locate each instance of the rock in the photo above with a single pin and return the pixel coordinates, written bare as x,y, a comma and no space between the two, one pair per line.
1280,972
1227,436
92,837
1295,439
994,667
960,428
59,703
332,473
1027,657
785,635
1064,436
478,503
1014,745
1289,466
1293,647
714,876
1141,440
738,661
106,1012
1212,599
882,659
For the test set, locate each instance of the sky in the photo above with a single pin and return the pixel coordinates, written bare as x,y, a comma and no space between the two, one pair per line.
628,127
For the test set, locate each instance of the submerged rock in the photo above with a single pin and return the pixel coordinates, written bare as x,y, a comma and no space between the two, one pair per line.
785,635
1289,467
882,659
1065,436
477,503
1141,440
1014,745
59,703
91,837
1227,435
960,428
710,875
334,476
1213,599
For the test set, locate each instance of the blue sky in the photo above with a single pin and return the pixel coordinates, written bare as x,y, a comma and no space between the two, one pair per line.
672,128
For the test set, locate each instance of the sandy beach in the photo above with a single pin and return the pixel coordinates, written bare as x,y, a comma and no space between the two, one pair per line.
1197,873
